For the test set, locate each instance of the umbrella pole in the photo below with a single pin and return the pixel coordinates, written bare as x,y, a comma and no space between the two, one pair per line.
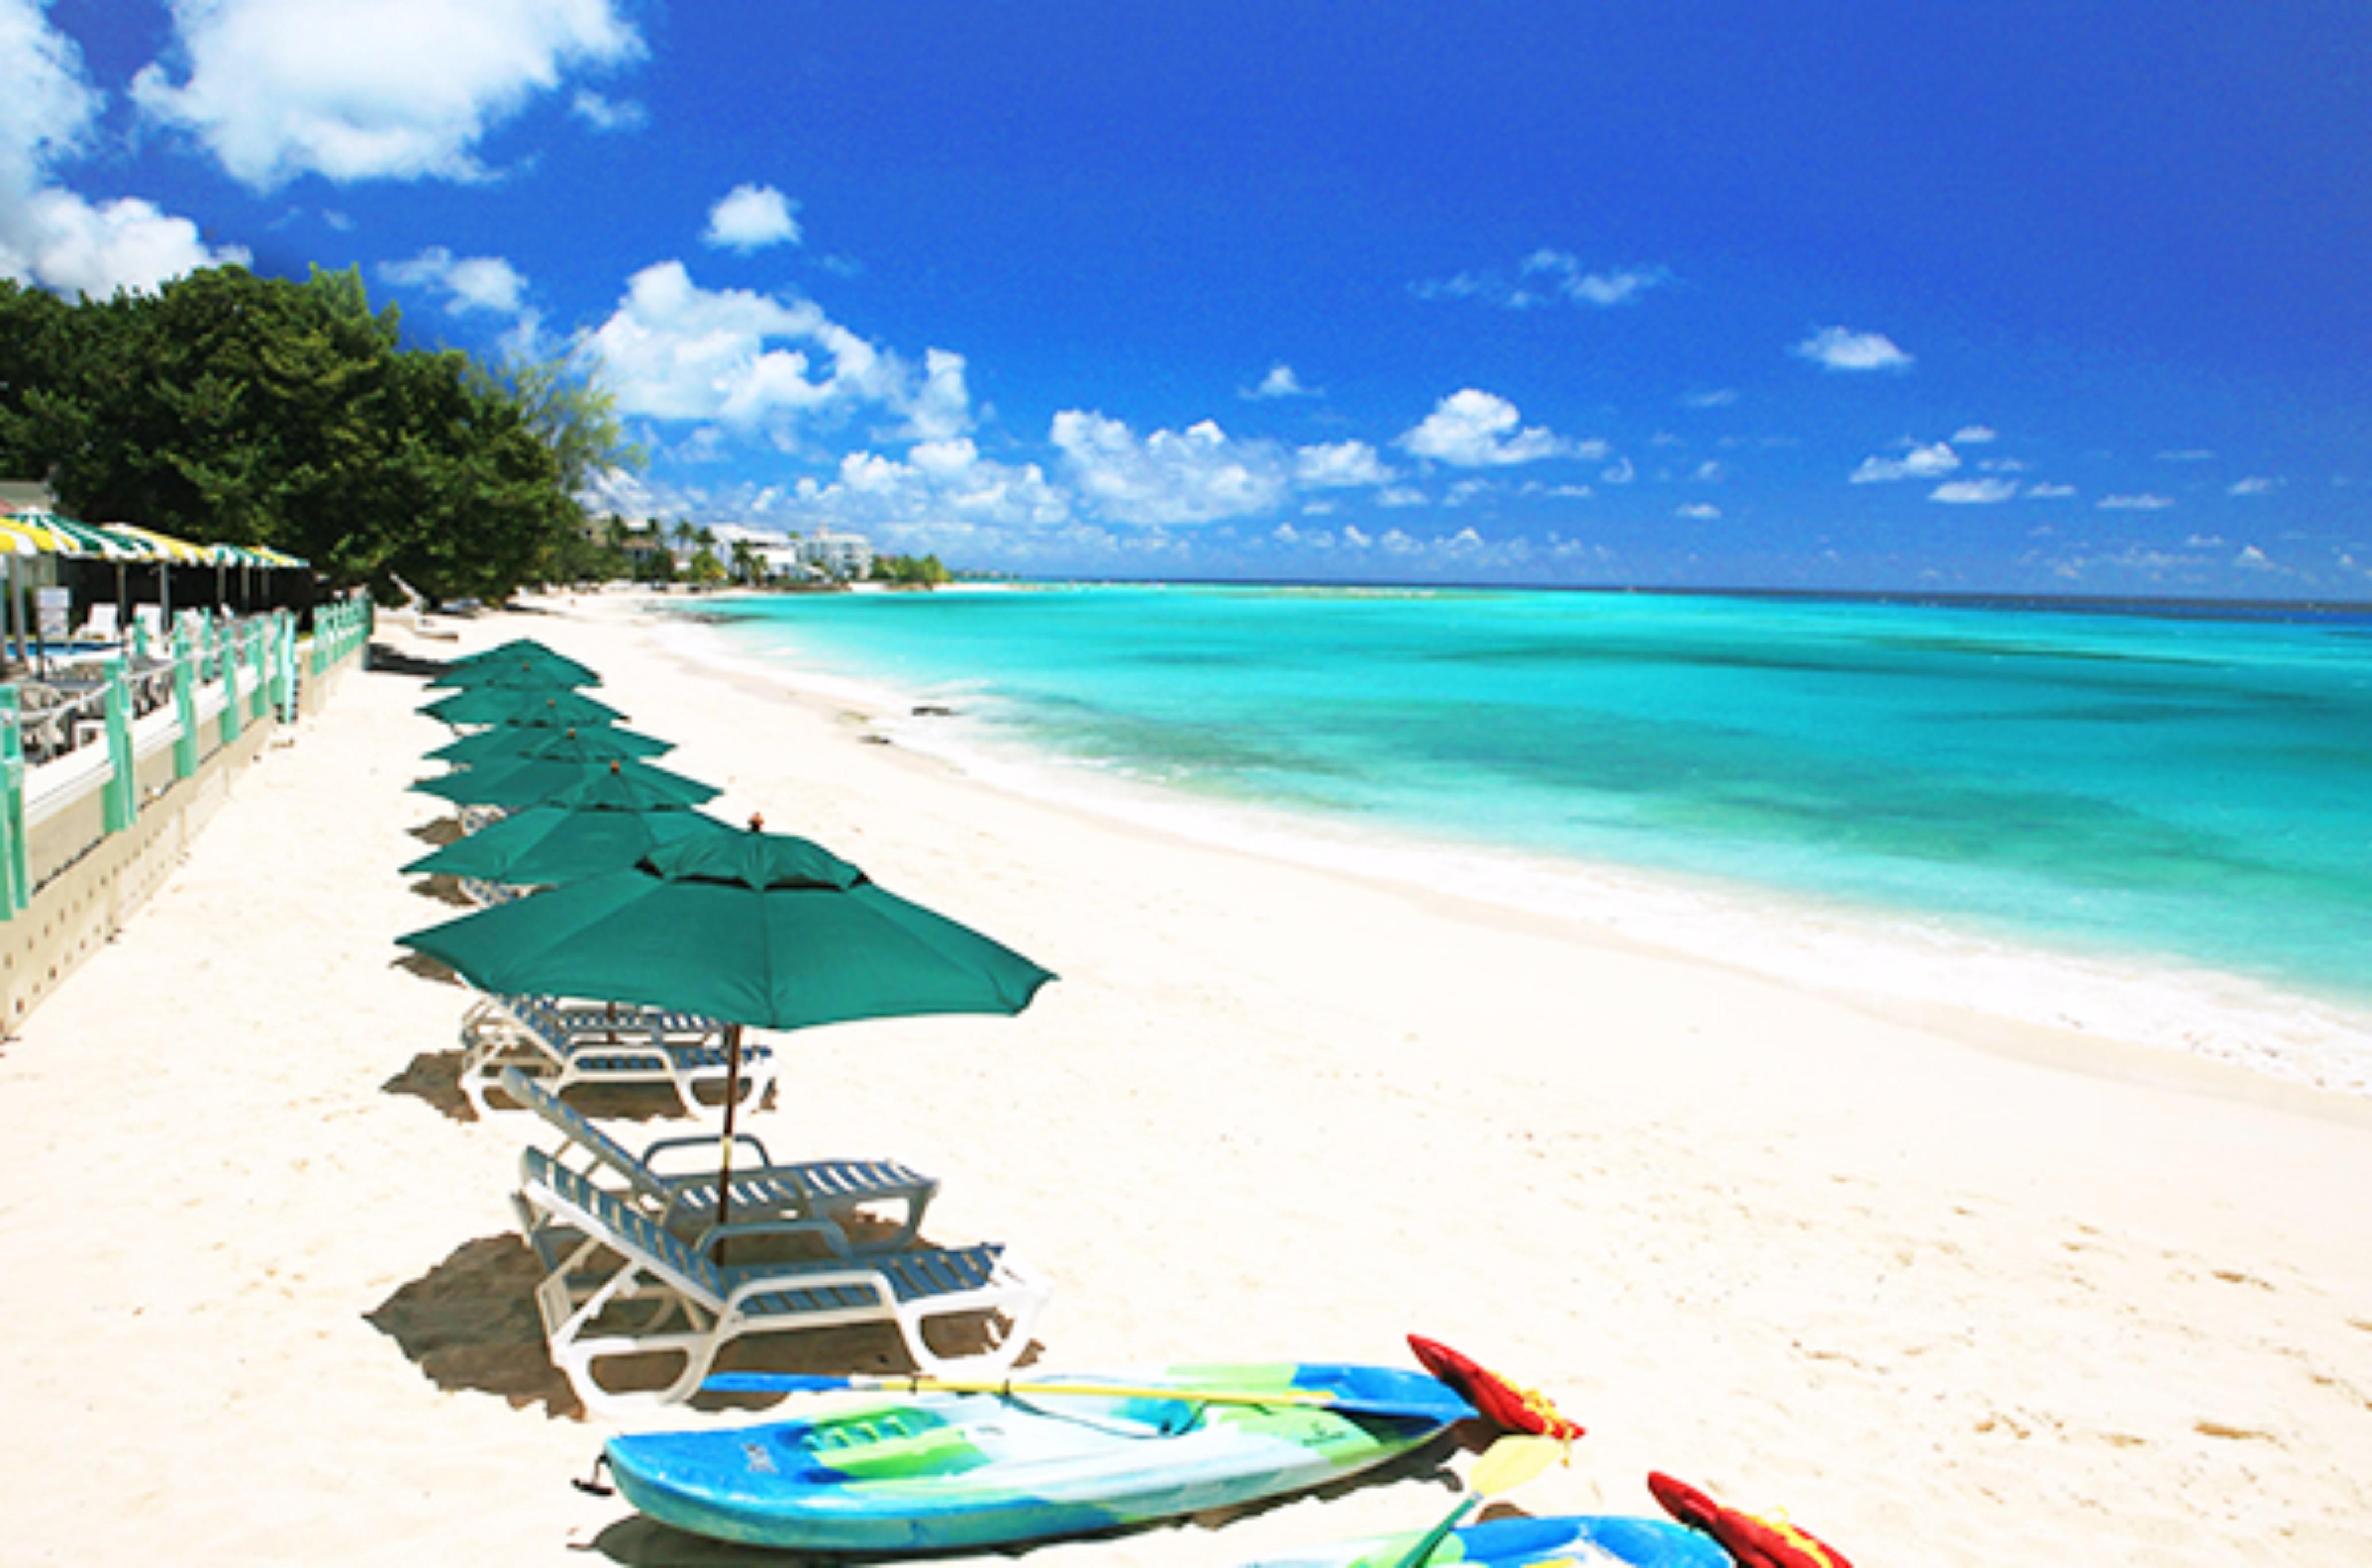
732,1102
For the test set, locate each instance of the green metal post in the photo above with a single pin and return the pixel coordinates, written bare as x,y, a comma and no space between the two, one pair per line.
185,700
15,878
230,724
120,805
260,652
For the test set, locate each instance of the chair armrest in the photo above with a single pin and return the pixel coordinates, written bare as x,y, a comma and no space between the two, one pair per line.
826,1231
813,1277
703,1140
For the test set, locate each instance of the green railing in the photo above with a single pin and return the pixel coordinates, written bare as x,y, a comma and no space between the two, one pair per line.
247,669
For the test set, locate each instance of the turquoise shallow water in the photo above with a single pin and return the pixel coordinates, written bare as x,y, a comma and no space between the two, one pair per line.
2172,786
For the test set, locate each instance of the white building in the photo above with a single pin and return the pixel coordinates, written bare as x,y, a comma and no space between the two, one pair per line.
824,553
848,556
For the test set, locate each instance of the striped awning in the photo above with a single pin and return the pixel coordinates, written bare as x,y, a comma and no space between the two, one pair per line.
54,535
30,533
161,546
251,555
34,531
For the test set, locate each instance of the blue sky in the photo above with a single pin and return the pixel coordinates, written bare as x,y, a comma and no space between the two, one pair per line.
2023,297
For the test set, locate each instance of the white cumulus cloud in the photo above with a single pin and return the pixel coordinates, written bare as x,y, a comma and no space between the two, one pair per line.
467,282
1931,461
941,483
606,113
1841,348
52,236
1975,434
1544,277
1196,475
61,241
1339,465
2043,491
756,363
1280,382
1699,512
2254,484
360,90
2136,503
1473,428
752,217
1567,277
1974,491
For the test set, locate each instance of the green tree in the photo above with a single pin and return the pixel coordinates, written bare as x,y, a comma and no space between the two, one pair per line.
911,571
262,410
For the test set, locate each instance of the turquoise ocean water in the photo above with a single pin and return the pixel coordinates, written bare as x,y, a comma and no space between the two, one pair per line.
2175,786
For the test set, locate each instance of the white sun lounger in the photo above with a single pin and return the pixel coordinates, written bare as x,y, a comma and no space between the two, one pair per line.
620,1283
565,1047
823,1190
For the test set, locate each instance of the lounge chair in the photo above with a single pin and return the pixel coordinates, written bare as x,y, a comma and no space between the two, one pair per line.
607,1260
99,625
825,1191
487,895
566,1047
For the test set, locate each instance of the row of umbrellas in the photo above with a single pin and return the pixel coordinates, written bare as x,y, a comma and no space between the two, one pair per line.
647,901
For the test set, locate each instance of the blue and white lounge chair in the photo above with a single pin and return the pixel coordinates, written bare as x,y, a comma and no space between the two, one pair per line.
564,1047
620,1283
823,1190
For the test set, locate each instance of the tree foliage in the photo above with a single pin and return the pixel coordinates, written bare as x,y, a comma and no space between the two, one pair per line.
262,410
911,571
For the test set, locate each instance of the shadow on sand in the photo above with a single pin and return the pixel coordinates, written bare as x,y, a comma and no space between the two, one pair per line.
380,659
433,1076
442,832
425,968
444,890
470,1323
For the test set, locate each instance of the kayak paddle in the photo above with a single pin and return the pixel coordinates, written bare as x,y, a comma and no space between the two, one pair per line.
1436,1403
1505,1465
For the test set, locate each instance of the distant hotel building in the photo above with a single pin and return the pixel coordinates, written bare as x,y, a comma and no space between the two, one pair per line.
846,556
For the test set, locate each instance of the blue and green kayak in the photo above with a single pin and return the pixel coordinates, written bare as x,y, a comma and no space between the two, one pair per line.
942,1471
1591,1542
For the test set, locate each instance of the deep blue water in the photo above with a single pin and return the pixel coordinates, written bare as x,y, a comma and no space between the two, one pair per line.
2178,785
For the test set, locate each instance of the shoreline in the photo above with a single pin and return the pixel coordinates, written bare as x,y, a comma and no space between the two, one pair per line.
1944,1300
1904,962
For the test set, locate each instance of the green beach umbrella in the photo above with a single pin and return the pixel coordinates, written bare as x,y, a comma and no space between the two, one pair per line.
515,648
545,846
521,709
557,781
548,673
762,930
506,741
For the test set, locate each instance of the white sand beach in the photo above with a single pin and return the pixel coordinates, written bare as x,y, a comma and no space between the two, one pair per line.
1948,1289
